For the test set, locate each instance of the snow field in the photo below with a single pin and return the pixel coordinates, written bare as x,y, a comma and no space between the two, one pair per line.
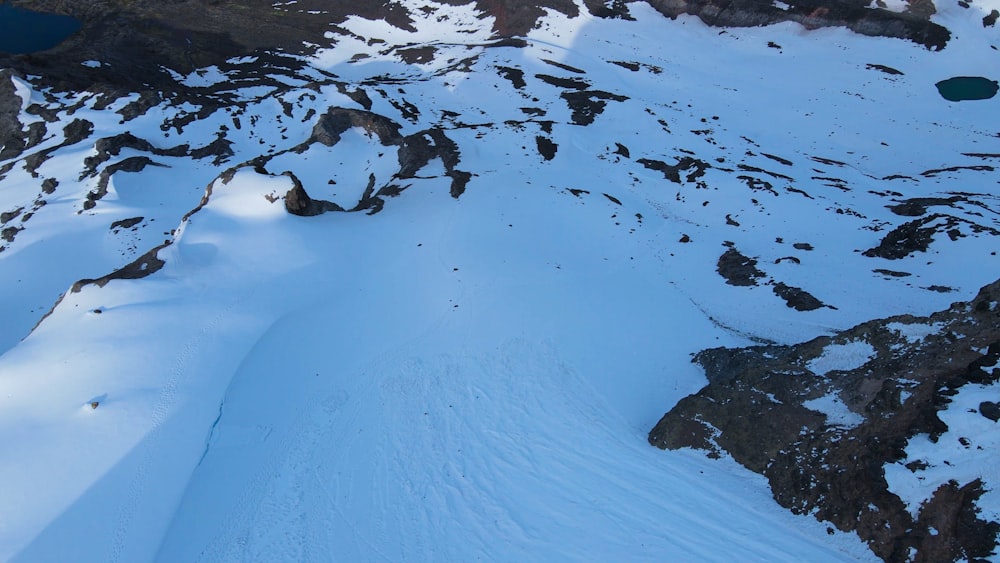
473,378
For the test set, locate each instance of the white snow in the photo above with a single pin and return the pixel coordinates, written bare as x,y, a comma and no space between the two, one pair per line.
472,378
914,332
835,410
949,459
847,356
23,91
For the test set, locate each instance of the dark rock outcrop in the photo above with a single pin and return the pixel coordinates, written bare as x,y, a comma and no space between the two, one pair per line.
738,269
586,105
131,164
822,431
917,235
337,120
672,172
298,202
413,151
148,263
854,15
13,138
797,298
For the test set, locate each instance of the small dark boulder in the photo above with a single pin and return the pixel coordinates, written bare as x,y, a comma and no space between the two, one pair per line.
990,410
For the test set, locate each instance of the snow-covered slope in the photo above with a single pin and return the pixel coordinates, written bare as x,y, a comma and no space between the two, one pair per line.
462,374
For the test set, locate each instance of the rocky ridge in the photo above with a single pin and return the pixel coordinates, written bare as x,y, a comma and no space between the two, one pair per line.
823,418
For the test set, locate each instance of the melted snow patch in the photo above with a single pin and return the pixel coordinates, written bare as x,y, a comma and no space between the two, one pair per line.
205,77
841,357
835,410
964,453
898,6
914,332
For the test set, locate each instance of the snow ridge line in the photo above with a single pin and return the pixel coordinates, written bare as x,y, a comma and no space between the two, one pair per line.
158,416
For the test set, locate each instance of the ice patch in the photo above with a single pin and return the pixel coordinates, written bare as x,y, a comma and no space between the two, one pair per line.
205,77
957,455
842,357
914,332
23,91
835,410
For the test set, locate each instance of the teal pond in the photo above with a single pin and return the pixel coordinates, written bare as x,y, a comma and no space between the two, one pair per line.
963,88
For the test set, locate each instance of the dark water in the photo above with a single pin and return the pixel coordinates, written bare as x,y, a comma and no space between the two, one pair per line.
24,31
967,88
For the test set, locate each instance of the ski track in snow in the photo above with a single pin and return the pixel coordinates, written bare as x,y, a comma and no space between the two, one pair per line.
478,459
178,376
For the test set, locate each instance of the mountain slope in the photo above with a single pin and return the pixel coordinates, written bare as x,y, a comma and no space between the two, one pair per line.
420,292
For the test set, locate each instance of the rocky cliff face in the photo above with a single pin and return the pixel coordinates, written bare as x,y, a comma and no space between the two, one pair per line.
822,419
913,24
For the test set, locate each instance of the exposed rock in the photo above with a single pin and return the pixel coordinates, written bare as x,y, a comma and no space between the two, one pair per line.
142,42
892,273
747,168
990,19
917,235
13,138
903,240
220,149
829,461
8,233
131,164
756,184
588,104
416,150
517,18
885,69
797,298
855,16
990,410
672,172
143,266
74,132
514,75
975,168
298,202
633,66
546,147
106,147
609,9
332,124
738,269
8,216
568,83
917,206
784,161
126,223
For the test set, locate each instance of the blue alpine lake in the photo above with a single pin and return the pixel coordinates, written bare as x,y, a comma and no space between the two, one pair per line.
26,31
